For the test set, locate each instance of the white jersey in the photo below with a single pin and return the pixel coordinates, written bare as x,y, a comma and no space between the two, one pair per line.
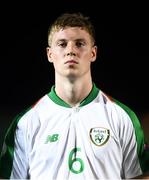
96,140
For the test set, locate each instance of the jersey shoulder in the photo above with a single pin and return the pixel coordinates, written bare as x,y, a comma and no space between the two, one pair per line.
27,114
108,99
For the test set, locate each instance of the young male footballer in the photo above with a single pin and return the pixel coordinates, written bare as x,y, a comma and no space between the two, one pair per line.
75,131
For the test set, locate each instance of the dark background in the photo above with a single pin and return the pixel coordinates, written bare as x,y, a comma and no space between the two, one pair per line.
121,69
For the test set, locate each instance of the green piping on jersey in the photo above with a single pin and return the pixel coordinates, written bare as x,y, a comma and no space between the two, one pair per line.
139,136
8,148
92,95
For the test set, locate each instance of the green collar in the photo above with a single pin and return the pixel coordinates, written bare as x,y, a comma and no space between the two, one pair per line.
55,98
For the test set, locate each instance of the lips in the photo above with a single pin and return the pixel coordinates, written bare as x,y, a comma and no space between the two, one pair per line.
71,62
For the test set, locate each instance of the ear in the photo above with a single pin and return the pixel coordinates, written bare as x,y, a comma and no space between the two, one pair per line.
49,54
94,53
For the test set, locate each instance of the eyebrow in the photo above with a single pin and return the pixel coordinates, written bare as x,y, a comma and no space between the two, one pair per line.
81,39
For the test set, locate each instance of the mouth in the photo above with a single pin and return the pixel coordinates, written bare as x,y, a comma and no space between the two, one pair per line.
71,62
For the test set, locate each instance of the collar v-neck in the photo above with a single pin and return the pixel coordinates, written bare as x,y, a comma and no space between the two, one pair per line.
55,98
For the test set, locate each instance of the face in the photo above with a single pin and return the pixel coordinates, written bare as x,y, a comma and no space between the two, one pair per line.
71,52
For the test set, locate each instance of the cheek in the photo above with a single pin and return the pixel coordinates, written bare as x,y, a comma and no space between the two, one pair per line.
57,62
57,54
87,56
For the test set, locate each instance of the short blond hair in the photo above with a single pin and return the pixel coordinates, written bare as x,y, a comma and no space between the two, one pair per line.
71,20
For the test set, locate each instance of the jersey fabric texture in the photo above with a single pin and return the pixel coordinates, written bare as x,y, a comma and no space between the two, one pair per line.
99,139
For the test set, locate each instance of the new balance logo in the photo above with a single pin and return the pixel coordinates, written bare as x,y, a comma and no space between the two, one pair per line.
52,138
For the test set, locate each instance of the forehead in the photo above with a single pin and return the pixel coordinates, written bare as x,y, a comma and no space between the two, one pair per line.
71,33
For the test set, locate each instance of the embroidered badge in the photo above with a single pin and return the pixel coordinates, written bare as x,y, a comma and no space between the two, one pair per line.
99,135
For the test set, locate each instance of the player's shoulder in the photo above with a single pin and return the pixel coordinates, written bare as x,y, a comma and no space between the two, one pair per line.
30,112
118,105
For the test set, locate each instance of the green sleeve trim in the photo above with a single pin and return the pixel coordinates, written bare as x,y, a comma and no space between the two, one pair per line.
6,158
143,154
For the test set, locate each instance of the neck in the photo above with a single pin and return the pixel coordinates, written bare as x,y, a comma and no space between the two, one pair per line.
73,92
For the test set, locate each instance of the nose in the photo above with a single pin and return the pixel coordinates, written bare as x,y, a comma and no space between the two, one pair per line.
71,49
71,54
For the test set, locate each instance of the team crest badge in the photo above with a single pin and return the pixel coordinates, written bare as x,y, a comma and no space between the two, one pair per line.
99,135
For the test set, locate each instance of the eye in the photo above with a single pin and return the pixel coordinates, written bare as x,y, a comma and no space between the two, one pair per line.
80,44
62,44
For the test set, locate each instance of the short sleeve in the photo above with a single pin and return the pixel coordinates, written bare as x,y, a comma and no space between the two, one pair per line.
13,161
135,147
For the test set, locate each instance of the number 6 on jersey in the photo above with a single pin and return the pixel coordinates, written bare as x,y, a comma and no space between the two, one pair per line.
75,164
